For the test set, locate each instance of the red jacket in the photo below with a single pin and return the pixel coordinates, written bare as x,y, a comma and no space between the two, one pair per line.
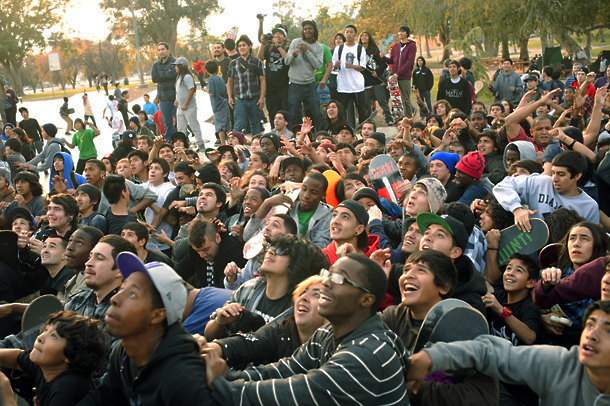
199,67
402,62
331,249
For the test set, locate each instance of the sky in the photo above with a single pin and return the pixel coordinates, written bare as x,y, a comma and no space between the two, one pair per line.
240,13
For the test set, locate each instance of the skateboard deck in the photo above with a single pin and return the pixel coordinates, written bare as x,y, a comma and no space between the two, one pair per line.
432,318
514,240
324,96
385,177
549,255
35,317
398,110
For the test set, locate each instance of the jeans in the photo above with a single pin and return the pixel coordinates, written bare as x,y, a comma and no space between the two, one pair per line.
276,100
91,118
38,146
378,93
361,101
308,94
168,111
249,109
405,94
425,96
189,117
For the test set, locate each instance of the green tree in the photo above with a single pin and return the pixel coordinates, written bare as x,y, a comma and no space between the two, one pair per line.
284,10
157,20
329,25
21,30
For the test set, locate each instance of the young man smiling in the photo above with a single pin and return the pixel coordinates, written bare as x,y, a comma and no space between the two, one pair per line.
354,359
158,184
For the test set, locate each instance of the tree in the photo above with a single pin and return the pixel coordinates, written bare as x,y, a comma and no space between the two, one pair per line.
157,20
21,30
329,25
284,10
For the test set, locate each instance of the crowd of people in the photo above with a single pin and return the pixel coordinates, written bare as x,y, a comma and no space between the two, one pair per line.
269,270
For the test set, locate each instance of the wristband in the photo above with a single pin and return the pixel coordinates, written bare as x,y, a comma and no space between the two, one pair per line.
572,144
489,248
505,313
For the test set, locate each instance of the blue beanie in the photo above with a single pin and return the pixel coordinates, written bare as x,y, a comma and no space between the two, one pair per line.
447,158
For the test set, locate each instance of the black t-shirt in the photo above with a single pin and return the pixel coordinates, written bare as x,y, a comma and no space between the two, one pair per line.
270,309
68,388
57,284
116,222
224,67
31,128
156,255
275,68
524,310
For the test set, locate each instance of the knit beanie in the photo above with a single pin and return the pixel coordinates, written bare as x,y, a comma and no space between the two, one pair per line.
50,129
472,164
436,192
6,174
449,159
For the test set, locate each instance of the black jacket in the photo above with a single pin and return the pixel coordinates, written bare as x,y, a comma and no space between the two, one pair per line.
192,268
268,344
423,79
174,375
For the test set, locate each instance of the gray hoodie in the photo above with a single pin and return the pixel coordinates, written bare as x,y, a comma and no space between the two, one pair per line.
527,150
553,372
51,147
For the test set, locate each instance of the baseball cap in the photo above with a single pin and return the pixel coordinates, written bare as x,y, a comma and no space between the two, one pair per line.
292,161
278,29
309,21
129,135
350,129
24,213
166,281
379,137
455,227
530,77
180,61
208,173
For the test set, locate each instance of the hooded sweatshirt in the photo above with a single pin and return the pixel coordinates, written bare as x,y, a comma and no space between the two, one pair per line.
51,147
423,79
331,249
402,59
364,367
65,176
553,372
174,375
527,150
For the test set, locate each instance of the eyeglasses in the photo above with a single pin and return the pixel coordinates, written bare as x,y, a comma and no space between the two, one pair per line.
278,251
340,279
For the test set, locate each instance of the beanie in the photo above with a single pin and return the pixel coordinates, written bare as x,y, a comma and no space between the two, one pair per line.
436,192
208,173
472,164
50,129
449,159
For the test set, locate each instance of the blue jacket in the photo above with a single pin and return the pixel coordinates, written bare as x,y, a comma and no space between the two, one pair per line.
68,167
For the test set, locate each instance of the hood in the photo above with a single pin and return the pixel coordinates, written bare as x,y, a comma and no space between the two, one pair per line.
471,283
486,183
68,165
56,140
527,150
423,59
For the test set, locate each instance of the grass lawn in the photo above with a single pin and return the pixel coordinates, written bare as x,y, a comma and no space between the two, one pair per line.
48,95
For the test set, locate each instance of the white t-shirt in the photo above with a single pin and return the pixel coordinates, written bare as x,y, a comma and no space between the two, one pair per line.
161,191
350,80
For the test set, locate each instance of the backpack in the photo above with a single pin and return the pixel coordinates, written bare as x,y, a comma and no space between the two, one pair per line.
358,52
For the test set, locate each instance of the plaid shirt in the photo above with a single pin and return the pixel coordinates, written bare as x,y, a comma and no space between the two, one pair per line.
164,75
85,303
476,249
245,75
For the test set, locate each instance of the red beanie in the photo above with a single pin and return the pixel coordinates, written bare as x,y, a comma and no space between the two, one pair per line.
472,164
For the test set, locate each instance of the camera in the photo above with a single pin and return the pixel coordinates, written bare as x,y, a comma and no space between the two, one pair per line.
261,16
268,37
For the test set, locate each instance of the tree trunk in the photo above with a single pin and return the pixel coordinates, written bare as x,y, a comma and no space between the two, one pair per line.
524,54
428,53
543,40
444,38
41,86
564,39
551,40
15,71
491,46
505,49
588,46
601,35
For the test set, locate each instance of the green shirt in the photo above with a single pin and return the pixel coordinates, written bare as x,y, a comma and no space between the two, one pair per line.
328,57
304,222
83,139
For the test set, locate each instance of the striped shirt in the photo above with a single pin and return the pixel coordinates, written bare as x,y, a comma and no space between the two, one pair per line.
366,367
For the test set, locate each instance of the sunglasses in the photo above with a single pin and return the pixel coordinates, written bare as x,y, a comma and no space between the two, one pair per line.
340,279
278,250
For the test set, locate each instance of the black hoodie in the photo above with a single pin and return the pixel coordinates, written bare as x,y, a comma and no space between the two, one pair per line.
174,375
423,79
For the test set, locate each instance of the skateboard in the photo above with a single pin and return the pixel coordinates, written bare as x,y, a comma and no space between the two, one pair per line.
549,255
9,250
35,317
398,110
385,177
514,240
324,95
